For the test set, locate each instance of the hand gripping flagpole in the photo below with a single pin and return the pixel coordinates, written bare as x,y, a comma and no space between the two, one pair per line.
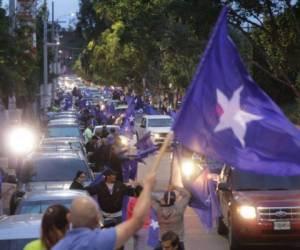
161,152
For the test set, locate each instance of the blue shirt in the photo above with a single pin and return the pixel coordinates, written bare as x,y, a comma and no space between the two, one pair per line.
87,239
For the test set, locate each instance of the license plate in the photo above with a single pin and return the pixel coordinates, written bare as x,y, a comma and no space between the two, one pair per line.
282,225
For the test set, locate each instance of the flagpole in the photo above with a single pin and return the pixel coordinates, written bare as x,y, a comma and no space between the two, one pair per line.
171,169
161,152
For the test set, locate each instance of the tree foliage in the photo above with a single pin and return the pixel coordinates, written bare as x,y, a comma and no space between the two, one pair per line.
19,64
160,41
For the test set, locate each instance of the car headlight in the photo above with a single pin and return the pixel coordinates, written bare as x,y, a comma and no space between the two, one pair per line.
21,140
247,212
124,140
187,168
156,136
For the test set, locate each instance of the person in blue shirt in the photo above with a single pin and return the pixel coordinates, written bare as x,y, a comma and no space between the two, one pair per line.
85,216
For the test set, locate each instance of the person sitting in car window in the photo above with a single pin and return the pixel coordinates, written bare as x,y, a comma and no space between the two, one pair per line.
78,181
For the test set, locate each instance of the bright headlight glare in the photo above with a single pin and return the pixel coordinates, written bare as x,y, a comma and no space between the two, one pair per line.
247,212
156,136
21,140
124,140
187,168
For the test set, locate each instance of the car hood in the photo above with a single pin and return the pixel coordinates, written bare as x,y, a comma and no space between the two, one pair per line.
271,198
159,129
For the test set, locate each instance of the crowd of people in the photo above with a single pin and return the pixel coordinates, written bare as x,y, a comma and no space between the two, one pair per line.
98,221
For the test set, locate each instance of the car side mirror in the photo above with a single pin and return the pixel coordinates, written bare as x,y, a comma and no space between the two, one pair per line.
12,179
223,186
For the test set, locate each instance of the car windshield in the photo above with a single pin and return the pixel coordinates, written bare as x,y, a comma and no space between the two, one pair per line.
61,131
14,244
54,169
160,122
248,180
38,207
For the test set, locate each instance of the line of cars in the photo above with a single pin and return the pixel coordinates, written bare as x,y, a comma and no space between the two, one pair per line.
44,178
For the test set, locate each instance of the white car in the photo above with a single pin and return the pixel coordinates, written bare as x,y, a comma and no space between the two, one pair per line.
158,126
98,129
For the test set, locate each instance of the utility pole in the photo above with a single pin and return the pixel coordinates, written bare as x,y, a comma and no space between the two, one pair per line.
12,14
45,53
53,65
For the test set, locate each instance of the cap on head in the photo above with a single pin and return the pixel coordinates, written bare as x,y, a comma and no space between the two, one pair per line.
169,198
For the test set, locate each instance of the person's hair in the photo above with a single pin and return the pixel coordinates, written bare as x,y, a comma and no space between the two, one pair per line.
172,237
78,174
54,225
169,198
138,190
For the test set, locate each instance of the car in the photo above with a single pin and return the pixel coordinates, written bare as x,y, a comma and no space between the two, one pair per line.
63,130
73,143
63,121
157,125
258,209
39,201
120,109
98,129
18,230
52,170
64,116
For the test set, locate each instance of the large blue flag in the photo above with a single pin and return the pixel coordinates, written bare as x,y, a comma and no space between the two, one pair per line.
226,116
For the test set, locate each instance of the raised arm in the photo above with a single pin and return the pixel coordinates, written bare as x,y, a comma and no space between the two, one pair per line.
185,196
126,229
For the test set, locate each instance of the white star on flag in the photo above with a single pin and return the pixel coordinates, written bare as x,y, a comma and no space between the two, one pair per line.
154,224
233,117
131,118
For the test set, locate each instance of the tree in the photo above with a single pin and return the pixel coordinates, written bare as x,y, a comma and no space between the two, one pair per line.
272,27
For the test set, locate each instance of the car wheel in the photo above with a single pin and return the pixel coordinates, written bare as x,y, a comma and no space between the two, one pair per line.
232,241
221,227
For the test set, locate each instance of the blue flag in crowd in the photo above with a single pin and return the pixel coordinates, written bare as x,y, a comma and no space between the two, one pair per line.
128,125
226,116
149,110
153,232
203,190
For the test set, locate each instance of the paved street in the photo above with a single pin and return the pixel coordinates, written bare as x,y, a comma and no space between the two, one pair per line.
196,237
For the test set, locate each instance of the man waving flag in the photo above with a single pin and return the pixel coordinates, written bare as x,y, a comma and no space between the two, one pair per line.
226,116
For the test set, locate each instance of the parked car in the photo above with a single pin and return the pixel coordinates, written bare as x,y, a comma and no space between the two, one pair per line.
63,130
39,201
73,143
158,126
18,230
258,209
98,129
52,170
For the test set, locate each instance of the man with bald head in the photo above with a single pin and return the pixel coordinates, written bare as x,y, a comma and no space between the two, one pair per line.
85,216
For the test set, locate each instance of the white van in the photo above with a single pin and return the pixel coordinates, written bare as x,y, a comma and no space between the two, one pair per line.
158,125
